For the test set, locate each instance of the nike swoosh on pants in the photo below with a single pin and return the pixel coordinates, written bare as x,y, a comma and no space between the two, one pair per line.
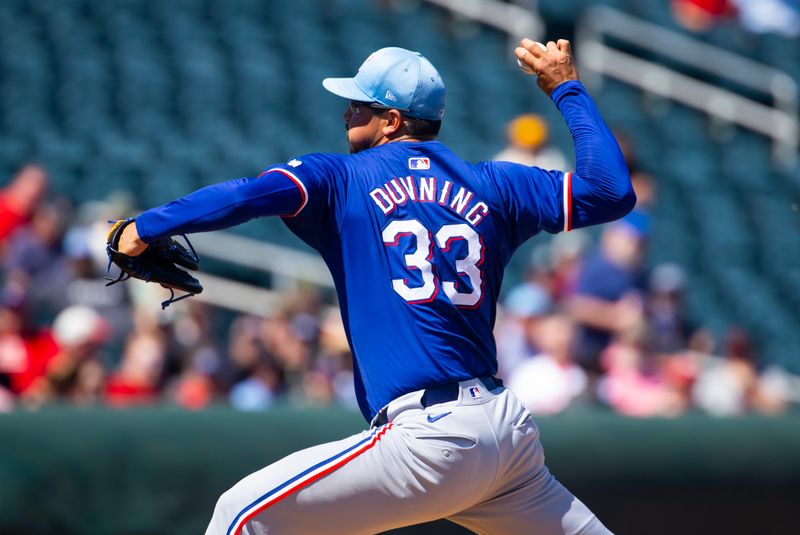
432,419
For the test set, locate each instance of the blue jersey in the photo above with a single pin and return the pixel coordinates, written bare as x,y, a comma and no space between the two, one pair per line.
417,239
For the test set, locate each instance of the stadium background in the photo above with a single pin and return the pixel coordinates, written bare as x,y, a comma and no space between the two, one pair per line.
127,104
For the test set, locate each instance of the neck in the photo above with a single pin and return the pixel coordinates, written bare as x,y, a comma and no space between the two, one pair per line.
404,137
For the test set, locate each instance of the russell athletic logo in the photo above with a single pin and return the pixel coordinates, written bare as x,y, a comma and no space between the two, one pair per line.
419,164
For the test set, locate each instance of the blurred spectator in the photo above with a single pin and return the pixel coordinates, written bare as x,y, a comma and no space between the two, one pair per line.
34,257
193,390
770,16
245,350
7,400
291,352
257,376
628,148
628,386
757,16
701,15
679,369
136,381
75,375
25,351
608,296
335,356
645,188
193,363
84,277
259,389
317,387
525,306
20,198
548,382
644,185
566,251
669,329
731,385
527,144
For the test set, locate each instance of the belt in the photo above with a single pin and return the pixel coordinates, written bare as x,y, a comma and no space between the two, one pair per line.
439,394
449,392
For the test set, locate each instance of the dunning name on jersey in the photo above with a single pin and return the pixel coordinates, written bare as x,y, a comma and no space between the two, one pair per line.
400,190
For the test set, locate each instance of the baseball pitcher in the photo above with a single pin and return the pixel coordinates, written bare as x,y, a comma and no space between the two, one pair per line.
416,240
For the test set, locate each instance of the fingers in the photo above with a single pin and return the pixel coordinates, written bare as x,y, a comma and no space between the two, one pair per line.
552,63
525,60
538,49
534,47
532,55
529,53
524,55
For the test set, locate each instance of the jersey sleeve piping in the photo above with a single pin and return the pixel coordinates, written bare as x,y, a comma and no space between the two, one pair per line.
299,183
567,202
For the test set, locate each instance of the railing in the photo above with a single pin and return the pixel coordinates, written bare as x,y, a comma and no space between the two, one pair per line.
597,59
289,264
288,268
515,20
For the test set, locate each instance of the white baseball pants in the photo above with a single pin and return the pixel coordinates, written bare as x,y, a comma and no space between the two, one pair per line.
476,461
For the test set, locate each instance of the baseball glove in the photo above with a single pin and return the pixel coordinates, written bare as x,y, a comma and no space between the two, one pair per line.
158,263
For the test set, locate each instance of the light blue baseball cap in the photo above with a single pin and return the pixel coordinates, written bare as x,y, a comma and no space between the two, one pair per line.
396,78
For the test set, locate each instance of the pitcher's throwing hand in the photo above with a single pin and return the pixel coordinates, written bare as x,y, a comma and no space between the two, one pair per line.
553,64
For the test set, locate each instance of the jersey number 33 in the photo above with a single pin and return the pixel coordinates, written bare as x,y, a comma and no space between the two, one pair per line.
468,267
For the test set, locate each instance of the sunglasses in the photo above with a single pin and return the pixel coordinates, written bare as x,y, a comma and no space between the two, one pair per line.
356,105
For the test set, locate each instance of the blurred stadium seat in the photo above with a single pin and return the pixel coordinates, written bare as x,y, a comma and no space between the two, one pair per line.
163,97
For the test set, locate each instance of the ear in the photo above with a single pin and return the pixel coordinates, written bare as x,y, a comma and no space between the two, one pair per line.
393,122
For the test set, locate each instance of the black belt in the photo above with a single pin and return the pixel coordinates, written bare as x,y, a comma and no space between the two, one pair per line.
449,392
440,394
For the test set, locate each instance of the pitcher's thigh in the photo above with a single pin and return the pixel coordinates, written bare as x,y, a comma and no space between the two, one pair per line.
543,507
274,499
360,485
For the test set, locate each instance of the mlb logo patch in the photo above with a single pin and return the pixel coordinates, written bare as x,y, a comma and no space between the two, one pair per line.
474,392
419,164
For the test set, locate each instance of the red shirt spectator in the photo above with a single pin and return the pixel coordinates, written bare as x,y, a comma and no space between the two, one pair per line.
24,353
25,357
121,393
137,380
700,15
19,199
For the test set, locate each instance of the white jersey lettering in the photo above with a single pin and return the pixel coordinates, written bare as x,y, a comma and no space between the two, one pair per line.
477,213
401,190
427,189
382,200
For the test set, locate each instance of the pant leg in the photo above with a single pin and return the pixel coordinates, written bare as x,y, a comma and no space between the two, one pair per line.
543,507
527,499
372,482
